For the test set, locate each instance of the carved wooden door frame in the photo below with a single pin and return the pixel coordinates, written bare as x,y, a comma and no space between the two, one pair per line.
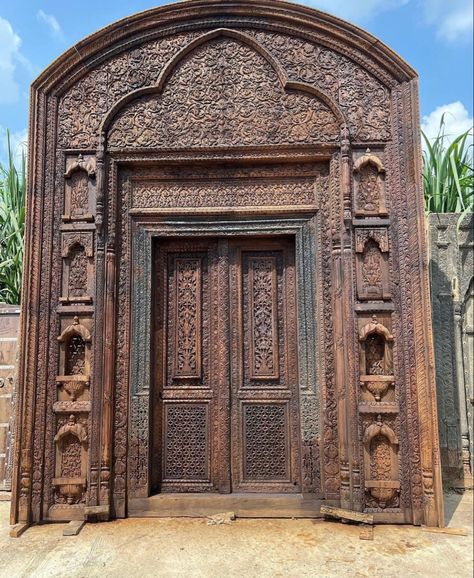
144,233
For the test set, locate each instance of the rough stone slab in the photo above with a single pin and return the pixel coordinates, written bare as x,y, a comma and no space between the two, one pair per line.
366,532
218,519
341,514
73,528
17,530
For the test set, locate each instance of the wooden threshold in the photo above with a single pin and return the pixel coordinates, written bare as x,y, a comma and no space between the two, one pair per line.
243,505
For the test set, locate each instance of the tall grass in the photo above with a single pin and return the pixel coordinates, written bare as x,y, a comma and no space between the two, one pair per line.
448,173
12,225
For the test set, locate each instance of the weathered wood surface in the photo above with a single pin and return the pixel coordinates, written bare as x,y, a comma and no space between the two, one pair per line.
246,120
342,514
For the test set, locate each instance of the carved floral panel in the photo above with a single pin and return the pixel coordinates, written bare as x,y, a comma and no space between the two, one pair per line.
223,94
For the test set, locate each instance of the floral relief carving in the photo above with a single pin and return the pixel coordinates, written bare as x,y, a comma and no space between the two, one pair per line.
188,318
263,317
192,109
363,98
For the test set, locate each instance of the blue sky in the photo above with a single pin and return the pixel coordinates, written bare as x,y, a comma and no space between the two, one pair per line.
434,36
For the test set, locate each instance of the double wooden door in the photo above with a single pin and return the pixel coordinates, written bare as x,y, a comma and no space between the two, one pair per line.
225,402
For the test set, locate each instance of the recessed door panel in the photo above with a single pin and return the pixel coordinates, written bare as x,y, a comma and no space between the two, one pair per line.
226,396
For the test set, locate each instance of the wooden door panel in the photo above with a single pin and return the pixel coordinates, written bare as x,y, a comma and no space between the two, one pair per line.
186,408
265,431
226,409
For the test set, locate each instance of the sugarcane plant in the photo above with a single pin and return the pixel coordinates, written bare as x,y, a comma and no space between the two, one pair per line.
12,225
448,173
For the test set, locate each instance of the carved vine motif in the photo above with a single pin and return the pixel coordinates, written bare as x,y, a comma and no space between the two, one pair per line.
263,317
265,442
365,100
188,305
192,110
71,457
79,194
380,458
222,194
78,272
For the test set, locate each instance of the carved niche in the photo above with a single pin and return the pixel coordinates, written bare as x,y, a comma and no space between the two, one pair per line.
79,188
369,186
78,267
381,465
376,359
71,462
373,275
74,363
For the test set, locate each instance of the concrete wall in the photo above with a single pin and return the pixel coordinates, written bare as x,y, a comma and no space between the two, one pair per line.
452,295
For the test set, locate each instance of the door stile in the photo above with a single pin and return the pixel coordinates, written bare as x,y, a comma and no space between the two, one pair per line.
221,352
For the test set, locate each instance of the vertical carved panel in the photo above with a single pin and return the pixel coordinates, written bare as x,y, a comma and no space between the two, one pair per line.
265,442
187,354
263,318
186,451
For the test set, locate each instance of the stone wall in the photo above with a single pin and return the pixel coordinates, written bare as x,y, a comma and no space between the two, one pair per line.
452,296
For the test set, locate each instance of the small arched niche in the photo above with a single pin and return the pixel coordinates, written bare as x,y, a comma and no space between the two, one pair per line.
376,359
74,361
369,186
381,465
70,462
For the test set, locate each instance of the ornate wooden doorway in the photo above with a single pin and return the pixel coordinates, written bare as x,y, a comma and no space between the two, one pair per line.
225,400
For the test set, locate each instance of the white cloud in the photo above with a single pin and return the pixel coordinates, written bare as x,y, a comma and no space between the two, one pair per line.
51,23
10,54
18,144
453,20
456,121
359,11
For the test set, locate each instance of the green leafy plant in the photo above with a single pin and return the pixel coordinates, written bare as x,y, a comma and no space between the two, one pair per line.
448,173
12,225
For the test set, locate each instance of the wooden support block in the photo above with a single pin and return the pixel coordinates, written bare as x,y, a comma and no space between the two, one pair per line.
73,528
341,514
17,530
96,513
366,532
451,531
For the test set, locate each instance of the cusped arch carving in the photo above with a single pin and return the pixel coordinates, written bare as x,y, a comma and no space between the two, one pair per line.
174,62
244,98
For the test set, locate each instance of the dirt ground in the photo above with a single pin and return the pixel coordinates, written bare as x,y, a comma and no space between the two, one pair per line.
246,548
